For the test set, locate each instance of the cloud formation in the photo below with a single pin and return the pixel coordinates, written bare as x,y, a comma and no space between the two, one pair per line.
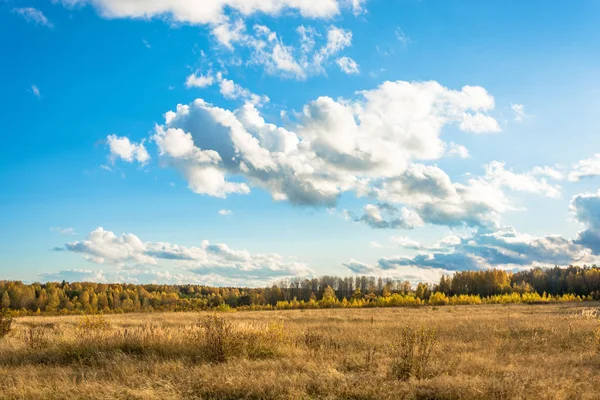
524,182
586,207
123,148
33,15
503,248
586,168
132,255
267,49
348,65
365,145
212,11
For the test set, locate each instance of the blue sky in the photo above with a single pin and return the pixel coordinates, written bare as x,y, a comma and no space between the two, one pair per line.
395,138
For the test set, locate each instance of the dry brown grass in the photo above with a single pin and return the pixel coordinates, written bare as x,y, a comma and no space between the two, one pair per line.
463,352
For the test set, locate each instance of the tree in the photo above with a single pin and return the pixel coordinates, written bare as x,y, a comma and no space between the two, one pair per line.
5,300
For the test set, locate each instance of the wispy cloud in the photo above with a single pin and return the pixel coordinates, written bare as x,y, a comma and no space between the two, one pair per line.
36,91
33,15
402,38
64,231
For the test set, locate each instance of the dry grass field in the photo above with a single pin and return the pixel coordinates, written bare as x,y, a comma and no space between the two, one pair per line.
463,352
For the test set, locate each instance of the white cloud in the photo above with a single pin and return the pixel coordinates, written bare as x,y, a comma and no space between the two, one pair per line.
225,212
550,172
586,168
357,6
34,15
129,253
446,244
402,38
232,91
431,195
503,248
385,216
586,207
123,148
200,81
64,231
479,123
518,111
208,11
457,150
36,91
268,50
348,65
525,182
366,145
228,88
375,245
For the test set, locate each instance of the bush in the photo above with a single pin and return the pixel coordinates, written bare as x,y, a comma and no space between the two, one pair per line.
414,352
5,325
216,332
35,337
93,323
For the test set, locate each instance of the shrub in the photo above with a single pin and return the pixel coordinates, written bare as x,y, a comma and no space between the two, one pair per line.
414,351
5,325
35,337
215,332
93,323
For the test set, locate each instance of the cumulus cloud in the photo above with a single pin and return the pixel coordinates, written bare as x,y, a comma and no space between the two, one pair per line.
123,148
348,65
198,80
210,11
586,207
225,212
521,182
130,253
503,248
366,145
431,194
586,168
33,15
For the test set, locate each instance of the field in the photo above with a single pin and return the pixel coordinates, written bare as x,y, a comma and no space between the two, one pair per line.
464,352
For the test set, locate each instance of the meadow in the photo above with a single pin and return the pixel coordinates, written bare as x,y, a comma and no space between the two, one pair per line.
509,351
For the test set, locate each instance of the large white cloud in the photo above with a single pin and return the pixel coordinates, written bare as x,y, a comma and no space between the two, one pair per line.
133,256
365,145
210,11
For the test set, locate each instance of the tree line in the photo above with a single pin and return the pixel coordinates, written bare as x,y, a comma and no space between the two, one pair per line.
464,287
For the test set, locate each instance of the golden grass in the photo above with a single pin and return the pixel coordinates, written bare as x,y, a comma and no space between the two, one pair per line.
463,352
